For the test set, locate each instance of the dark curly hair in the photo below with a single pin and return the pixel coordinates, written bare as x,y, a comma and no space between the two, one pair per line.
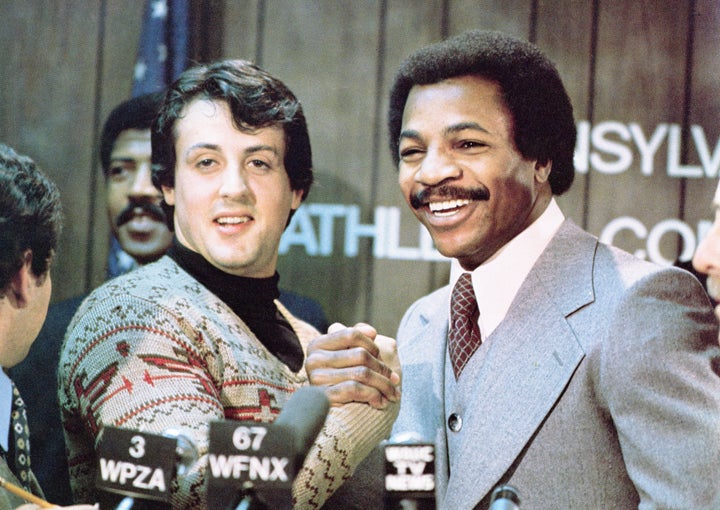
542,115
256,100
136,113
30,216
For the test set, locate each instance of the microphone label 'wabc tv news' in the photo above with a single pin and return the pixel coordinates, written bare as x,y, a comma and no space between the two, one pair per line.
409,475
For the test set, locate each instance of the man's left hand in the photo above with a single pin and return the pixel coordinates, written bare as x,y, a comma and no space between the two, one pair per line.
355,365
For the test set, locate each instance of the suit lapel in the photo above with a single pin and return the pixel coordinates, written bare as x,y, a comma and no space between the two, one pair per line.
529,361
421,346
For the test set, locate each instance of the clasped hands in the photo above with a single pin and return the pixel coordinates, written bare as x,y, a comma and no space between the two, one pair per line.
355,364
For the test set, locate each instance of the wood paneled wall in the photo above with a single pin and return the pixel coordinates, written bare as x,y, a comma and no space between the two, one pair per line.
631,67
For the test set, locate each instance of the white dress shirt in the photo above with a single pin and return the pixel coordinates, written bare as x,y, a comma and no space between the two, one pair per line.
497,280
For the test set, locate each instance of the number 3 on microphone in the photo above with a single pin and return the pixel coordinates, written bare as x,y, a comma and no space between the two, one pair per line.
245,438
137,447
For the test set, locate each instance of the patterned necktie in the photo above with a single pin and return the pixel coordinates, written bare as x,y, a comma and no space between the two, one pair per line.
464,337
20,439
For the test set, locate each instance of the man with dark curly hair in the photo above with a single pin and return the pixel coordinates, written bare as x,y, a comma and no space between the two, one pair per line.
568,369
200,335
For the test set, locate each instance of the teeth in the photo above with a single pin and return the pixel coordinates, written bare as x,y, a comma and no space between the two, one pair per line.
233,221
443,207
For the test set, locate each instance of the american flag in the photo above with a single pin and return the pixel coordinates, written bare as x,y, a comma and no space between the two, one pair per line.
163,51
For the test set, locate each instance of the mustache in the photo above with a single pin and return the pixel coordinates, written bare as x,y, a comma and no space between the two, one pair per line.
135,207
422,197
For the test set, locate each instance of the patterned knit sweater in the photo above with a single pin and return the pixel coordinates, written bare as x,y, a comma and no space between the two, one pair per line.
154,349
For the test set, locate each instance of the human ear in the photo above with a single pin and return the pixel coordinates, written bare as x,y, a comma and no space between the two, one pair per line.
168,194
297,198
21,282
542,170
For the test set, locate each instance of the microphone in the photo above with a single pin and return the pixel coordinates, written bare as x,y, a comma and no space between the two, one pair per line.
304,416
140,465
186,451
505,497
256,463
409,473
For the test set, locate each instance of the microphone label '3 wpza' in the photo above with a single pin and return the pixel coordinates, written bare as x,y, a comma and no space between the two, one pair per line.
136,464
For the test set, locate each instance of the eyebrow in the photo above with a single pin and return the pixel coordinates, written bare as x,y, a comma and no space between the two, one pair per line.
259,148
449,130
250,150
201,145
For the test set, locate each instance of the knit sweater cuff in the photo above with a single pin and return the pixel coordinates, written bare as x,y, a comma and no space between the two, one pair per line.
351,431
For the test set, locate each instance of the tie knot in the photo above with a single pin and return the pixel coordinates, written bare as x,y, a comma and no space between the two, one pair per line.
463,296
464,282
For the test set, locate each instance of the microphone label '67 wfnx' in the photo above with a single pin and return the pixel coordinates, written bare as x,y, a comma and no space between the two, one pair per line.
252,461
268,469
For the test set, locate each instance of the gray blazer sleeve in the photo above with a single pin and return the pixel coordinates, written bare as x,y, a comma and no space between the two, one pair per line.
657,375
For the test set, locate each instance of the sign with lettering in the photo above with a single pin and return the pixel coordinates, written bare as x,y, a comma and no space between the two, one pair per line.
136,464
251,461
409,474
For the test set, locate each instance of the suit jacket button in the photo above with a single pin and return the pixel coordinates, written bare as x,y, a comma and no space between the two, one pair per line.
455,422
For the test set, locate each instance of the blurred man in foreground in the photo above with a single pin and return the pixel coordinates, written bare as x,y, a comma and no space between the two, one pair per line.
30,225
140,234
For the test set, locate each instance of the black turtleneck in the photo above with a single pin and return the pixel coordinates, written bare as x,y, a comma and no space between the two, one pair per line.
252,299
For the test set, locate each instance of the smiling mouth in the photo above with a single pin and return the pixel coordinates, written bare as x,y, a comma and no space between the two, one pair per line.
235,220
447,207
446,200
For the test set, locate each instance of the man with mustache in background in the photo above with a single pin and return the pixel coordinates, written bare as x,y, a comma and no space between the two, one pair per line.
138,223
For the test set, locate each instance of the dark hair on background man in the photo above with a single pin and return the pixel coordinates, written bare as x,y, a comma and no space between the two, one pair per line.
136,113
541,111
256,100
30,216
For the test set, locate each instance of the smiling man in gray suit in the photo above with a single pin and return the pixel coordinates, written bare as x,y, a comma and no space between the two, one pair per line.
593,382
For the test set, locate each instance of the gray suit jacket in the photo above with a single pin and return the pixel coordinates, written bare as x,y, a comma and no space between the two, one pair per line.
600,388
8,500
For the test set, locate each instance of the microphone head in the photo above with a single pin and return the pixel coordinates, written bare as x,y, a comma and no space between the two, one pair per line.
185,450
304,414
257,462
505,497
407,437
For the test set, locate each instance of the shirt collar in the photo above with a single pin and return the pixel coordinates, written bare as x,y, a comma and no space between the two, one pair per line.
5,409
119,262
497,281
